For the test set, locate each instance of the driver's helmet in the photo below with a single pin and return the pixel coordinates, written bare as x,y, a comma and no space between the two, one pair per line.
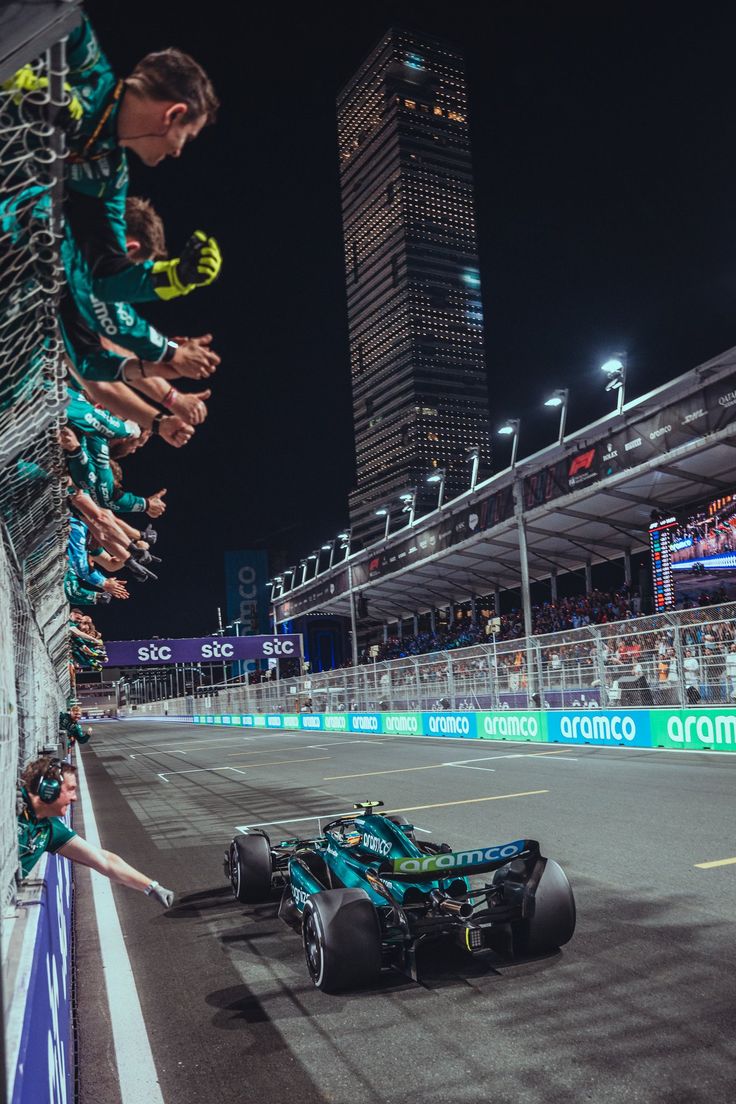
352,836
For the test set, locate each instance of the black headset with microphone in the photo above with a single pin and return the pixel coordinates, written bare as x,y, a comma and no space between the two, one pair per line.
48,787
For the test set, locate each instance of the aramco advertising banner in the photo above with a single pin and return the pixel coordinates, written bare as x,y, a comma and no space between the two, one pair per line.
206,649
246,590
675,729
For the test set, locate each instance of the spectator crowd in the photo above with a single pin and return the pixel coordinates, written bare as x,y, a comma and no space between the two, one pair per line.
596,608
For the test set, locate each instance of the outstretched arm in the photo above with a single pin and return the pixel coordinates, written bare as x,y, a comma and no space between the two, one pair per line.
114,868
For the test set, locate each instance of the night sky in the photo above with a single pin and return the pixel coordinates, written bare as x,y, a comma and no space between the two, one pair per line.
603,145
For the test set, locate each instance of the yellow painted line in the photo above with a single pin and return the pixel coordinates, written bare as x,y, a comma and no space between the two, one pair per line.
282,762
562,751
465,801
370,774
716,862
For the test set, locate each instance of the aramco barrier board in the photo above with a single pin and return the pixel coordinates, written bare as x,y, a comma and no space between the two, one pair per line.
677,729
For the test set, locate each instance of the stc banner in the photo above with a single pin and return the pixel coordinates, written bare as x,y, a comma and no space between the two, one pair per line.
676,729
137,653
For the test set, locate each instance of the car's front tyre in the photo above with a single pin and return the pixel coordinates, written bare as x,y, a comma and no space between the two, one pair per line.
342,940
250,868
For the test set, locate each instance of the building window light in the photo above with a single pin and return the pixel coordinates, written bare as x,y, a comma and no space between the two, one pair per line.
410,103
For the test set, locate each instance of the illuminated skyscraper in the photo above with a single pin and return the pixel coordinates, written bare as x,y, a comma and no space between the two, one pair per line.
420,391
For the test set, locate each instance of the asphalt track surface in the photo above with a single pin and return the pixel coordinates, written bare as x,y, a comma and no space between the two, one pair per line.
639,1006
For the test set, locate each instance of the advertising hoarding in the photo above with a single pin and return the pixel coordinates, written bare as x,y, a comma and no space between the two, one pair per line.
206,649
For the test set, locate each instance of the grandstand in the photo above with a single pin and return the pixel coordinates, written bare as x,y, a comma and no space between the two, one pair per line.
589,500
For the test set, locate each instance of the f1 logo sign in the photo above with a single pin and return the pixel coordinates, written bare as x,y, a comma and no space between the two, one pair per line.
582,462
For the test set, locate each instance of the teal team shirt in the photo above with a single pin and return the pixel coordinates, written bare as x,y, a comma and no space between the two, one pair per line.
36,836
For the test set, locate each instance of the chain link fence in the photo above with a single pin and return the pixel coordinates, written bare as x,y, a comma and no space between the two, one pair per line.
34,668
680,659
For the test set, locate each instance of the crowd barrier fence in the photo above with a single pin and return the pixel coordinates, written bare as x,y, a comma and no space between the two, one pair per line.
682,659
34,655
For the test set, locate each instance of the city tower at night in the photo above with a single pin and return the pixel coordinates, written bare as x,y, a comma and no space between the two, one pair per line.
419,385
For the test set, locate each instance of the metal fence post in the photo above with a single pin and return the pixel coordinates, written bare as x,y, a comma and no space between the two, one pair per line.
600,657
681,691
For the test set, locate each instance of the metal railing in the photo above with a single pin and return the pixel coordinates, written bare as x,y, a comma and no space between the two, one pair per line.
680,659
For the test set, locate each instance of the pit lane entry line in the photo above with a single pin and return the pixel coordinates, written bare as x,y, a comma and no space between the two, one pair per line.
715,862
137,1075
408,809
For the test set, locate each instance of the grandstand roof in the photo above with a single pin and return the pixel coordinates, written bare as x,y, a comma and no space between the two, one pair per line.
589,499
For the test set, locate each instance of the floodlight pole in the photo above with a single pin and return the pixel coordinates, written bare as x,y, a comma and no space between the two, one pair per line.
526,600
565,396
353,623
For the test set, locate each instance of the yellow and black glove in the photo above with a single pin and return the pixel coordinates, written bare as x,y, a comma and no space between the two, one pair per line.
26,80
199,265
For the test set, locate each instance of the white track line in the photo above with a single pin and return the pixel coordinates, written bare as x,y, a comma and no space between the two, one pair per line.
137,1075
164,775
467,766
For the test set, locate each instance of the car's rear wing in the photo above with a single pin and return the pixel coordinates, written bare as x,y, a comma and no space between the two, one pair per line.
475,860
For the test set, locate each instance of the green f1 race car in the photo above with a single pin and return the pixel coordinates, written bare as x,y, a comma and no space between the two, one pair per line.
367,894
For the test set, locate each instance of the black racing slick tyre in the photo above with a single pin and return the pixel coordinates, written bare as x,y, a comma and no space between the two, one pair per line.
552,922
250,868
342,940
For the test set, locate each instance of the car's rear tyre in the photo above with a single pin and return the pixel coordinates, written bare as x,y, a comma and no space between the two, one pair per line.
250,868
342,939
553,921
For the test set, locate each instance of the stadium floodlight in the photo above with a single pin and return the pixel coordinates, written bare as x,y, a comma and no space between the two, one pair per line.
384,511
615,369
438,476
344,538
409,500
509,428
472,455
330,546
559,398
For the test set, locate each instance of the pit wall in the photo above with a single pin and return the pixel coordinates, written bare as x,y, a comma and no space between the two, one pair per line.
675,729
39,1022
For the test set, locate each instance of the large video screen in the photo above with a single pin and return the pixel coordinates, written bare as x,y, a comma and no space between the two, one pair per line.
694,555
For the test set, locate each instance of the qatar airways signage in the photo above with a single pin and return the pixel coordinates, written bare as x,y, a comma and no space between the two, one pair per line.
206,649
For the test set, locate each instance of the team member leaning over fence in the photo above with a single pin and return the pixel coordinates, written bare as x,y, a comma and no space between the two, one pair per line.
88,324
162,105
48,787
69,727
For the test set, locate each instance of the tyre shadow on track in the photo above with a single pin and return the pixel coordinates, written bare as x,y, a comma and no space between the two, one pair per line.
441,963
